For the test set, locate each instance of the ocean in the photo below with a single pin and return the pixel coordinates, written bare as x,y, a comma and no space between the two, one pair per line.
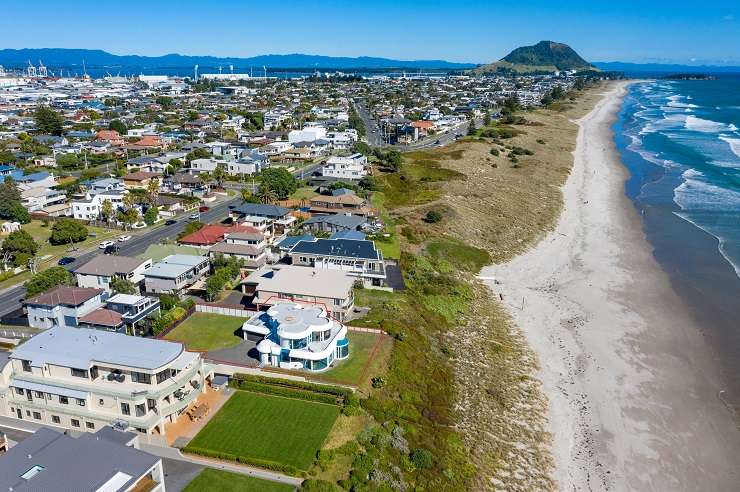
680,140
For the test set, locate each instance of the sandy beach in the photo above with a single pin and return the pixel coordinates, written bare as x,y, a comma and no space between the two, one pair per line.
633,390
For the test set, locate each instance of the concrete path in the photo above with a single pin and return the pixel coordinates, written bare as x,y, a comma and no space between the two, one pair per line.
175,454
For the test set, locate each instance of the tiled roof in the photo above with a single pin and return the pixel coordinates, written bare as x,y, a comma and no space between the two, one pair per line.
213,233
102,317
69,296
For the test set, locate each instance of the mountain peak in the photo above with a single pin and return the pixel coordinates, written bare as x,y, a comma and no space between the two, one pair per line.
545,56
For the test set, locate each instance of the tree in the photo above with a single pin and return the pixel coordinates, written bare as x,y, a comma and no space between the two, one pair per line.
248,197
122,286
9,195
68,161
219,174
164,101
51,277
107,210
66,231
118,126
280,181
199,153
432,217
48,121
152,191
151,215
19,246
266,194
190,228
128,217
18,213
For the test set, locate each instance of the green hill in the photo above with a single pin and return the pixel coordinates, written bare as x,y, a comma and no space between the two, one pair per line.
545,56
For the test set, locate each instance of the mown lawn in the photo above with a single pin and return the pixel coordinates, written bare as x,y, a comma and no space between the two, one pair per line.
205,331
210,480
41,235
271,428
349,371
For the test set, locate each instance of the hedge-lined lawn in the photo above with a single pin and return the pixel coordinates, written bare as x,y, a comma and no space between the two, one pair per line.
271,428
210,480
205,331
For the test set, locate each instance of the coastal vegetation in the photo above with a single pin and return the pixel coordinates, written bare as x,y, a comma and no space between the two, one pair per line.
459,407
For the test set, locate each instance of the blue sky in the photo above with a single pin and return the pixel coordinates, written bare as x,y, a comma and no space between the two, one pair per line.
462,30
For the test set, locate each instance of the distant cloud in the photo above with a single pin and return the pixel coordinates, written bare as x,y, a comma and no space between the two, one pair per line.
729,17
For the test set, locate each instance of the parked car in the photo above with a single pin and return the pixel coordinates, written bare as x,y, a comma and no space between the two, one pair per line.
66,260
194,216
203,209
139,225
124,238
170,222
105,244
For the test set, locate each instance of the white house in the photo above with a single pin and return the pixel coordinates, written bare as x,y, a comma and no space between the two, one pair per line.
352,167
297,336
98,272
308,134
91,206
198,166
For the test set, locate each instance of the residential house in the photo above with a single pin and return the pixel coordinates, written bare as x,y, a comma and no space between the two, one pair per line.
209,165
347,204
90,207
358,258
140,180
280,218
123,313
111,136
84,379
297,336
62,306
108,460
352,167
248,246
334,223
175,273
330,288
148,164
102,269
35,199
211,234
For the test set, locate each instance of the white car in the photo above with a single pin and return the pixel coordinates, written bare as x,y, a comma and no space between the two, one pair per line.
124,238
105,244
195,216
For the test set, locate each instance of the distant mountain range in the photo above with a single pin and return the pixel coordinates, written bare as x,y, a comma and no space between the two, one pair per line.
545,56
62,57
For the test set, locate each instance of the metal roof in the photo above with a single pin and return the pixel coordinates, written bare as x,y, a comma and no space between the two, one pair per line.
347,248
81,348
62,462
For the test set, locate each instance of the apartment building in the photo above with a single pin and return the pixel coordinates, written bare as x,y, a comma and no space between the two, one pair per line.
85,379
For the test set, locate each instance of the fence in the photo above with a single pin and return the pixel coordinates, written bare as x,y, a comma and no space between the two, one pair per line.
225,309
365,330
177,323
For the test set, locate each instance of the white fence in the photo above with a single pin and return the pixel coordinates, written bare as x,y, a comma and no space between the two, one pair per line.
226,311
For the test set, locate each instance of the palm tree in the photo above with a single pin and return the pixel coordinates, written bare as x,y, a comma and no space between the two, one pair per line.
266,194
219,174
152,191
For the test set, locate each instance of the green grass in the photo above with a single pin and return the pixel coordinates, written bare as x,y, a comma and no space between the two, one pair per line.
41,235
349,371
158,251
457,255
210,480
304,193
204,331
270,428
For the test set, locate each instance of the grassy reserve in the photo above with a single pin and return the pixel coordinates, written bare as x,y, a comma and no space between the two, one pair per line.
210,480
268,428
205,332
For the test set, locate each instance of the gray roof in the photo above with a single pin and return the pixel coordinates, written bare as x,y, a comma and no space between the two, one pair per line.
262,210
346,248
173,266
81,348
347,221
69,464
109,265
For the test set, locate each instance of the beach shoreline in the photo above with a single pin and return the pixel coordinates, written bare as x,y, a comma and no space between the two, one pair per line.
632,385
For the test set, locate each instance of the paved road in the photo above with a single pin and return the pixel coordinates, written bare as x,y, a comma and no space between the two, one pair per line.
373,137
10,298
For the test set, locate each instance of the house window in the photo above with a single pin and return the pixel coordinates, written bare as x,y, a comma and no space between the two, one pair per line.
94,372
141,377
140,410
75,423
125,409
19,391
37,415
26,365
55,419
81,402
39,394
163,375
90,425
79,373
63,400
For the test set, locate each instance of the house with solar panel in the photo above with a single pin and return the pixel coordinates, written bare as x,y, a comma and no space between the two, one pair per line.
357,257
86,379
296,335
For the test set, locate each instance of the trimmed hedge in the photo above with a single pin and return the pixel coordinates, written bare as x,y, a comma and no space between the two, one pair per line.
244,460
346,395
287,392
